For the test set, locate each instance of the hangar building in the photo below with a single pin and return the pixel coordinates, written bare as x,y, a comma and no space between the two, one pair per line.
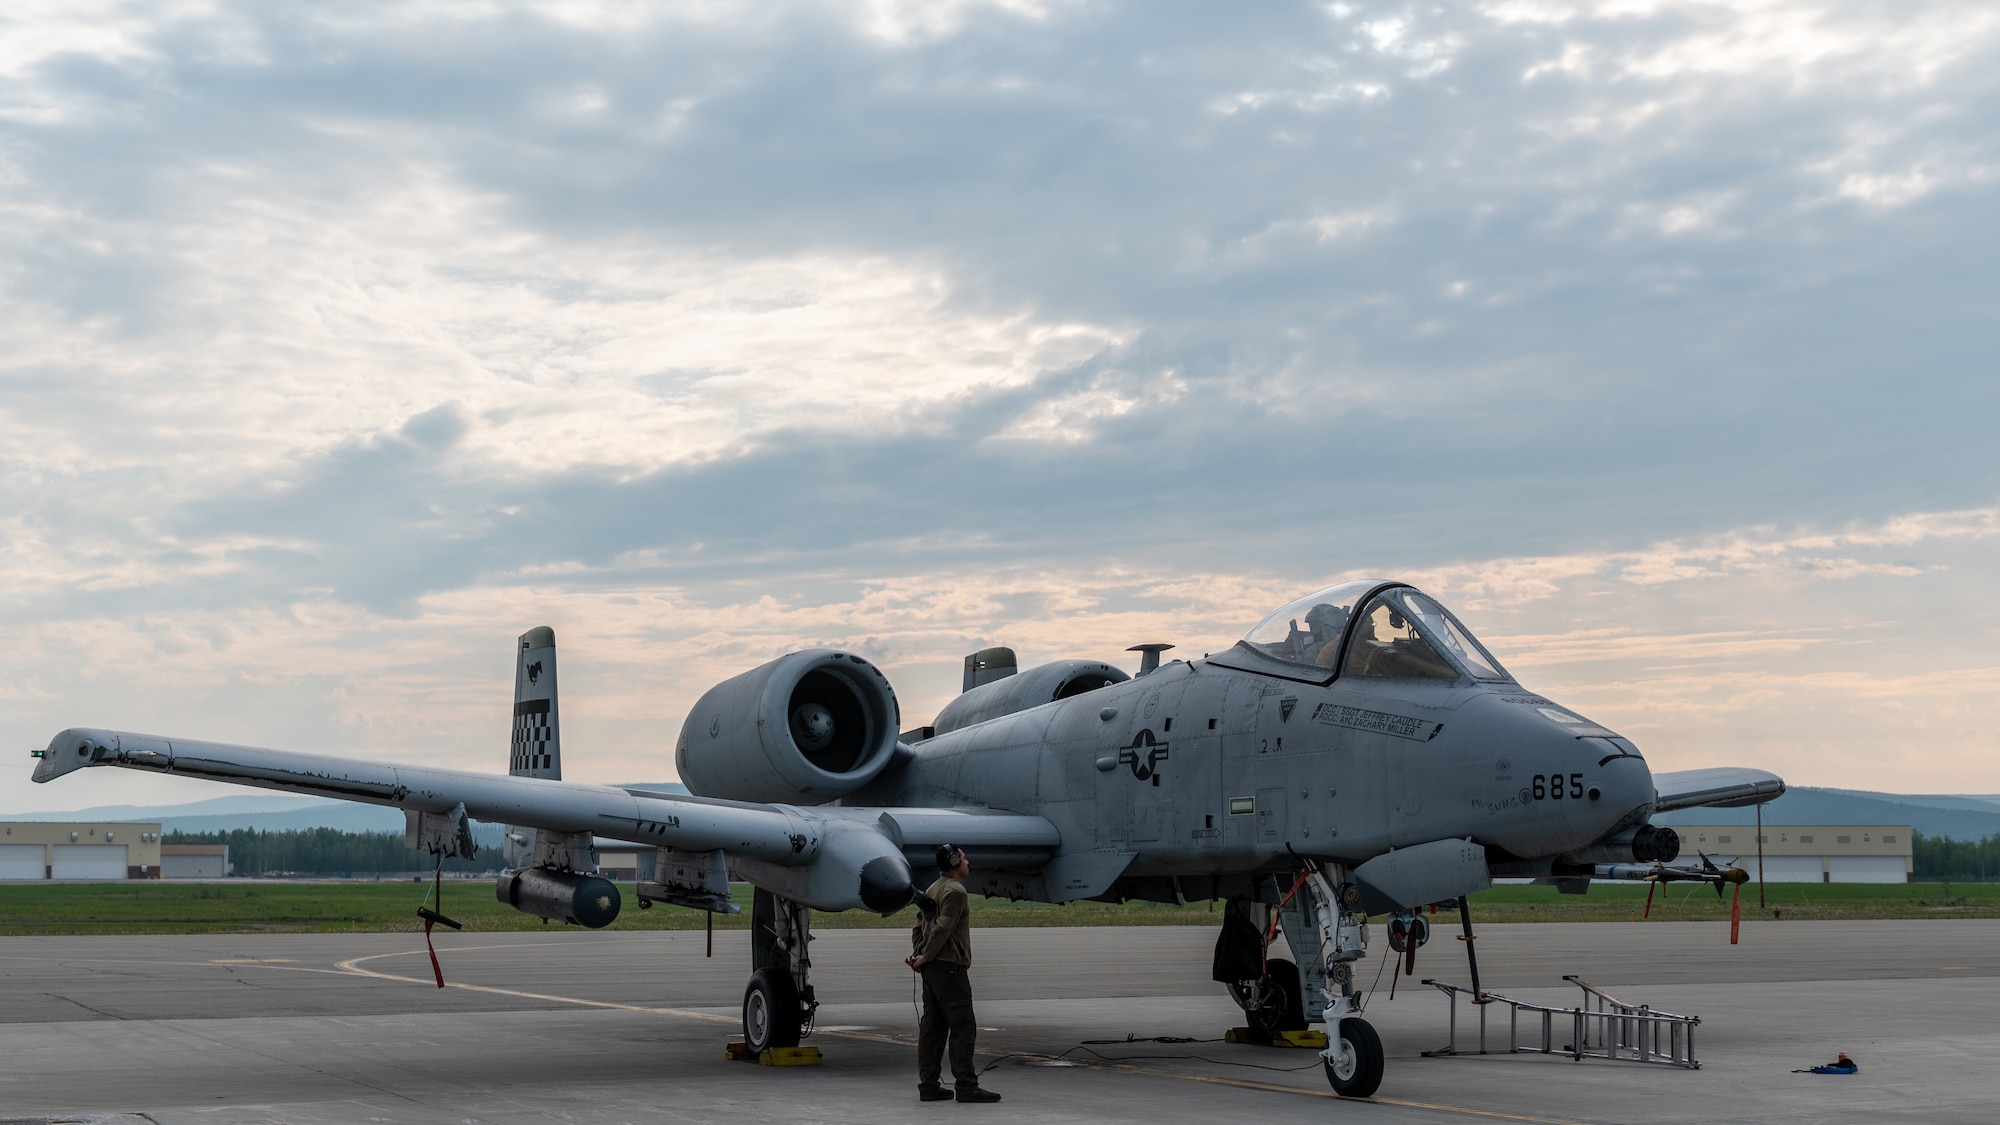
624,862
72,850
194,861
1809,853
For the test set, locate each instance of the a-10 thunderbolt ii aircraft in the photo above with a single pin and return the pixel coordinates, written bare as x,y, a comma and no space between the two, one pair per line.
1358,752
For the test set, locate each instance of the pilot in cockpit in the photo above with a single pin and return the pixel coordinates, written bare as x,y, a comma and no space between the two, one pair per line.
1402,653
1399,632
1325,623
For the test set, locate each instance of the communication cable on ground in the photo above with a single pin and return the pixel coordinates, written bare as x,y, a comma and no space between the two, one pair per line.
1145,1058
1087,1047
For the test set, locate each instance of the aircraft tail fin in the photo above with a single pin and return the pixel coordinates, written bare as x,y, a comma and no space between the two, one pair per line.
536,748
987,665
537,742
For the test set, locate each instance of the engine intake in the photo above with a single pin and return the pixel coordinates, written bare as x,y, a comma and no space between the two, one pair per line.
561,896
804,729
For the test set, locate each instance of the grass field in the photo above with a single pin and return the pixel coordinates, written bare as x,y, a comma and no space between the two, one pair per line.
255,905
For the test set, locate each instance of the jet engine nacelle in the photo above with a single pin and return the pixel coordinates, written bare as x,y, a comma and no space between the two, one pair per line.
803,729
1032,688
560,896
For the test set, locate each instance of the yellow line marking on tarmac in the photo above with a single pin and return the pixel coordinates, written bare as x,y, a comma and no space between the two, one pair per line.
252,961
352,965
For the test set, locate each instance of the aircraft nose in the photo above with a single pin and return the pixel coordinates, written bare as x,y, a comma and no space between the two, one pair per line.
1568,781
1605,786
1620,783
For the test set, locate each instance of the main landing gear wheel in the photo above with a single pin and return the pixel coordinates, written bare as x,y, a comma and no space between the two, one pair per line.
1275,1003
1355,1069
771,1011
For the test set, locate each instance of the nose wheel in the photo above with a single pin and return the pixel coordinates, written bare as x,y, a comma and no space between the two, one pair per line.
1354,1060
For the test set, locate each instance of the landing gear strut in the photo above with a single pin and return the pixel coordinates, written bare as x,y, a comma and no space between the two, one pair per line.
778,1003
1325,907
1353,1055
1327,935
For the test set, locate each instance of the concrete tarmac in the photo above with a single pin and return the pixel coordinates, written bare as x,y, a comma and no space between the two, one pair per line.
599,1028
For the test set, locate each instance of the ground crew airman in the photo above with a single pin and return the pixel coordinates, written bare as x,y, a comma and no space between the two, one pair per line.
941,952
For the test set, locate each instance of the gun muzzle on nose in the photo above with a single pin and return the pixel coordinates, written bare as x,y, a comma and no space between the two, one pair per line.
1648,843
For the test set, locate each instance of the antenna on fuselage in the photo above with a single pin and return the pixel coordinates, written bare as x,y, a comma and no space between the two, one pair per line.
1150,662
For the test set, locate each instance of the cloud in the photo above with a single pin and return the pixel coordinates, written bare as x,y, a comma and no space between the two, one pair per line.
1809,670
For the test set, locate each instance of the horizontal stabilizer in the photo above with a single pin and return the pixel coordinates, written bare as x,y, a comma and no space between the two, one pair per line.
1722,787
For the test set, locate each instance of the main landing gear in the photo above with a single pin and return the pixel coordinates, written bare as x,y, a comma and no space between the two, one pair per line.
1271,1002
778,1003
1327,935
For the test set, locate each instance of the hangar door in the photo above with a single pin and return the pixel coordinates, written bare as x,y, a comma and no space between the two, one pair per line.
88,861
1865,869
1785,868
22,861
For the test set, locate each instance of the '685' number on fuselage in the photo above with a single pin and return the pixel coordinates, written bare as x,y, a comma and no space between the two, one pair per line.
1552,786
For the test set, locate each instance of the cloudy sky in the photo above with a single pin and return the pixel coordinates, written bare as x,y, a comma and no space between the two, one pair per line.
339,344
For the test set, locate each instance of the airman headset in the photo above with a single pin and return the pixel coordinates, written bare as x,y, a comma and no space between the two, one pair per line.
949,856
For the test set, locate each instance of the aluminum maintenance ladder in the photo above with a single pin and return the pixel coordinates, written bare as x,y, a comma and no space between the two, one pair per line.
1602,1027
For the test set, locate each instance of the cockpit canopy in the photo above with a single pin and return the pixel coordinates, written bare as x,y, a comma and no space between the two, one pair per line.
1399,632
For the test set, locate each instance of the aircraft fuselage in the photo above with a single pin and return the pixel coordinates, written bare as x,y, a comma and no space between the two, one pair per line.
1201,769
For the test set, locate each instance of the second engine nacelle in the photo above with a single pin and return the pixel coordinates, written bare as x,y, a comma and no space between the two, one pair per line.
1032,688
803,729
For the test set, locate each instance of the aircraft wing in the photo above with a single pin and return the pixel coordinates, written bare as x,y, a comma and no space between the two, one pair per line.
1722,787
828,857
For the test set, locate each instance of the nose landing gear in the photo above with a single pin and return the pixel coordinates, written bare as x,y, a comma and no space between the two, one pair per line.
1353,1055
1354,1059
1328,935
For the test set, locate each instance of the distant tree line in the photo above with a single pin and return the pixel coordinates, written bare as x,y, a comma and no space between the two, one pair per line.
1941,857
329,851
